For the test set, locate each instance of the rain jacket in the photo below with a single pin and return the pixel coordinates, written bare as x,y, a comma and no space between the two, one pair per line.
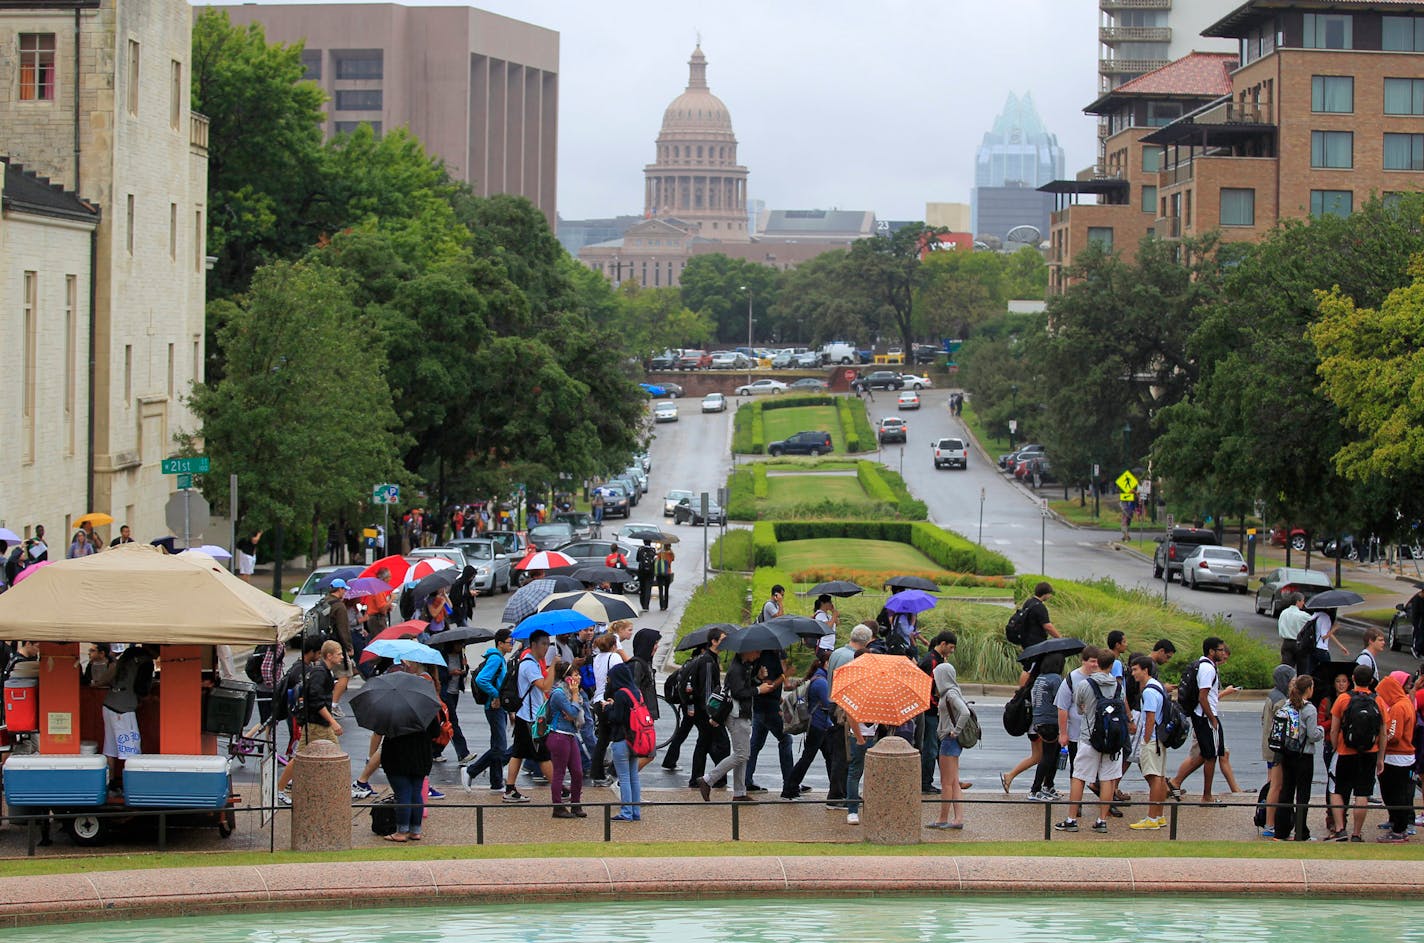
1399,721
1282,676
953,712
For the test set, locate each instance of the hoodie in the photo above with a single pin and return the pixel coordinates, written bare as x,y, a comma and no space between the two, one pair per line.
1282,676
644,641
620,682
1398,721
1086,700
953,712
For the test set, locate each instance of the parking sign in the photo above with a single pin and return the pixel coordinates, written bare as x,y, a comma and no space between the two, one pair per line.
385,494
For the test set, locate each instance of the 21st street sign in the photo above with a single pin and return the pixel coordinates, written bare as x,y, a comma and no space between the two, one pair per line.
196,465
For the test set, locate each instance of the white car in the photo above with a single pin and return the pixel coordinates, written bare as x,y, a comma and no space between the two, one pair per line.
672,499
913,382
728,360
908,400
761,386
665,411
714,403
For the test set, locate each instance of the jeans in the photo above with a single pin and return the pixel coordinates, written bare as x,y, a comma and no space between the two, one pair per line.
767,720
630,791
410,802
674,747
855,768
927,736
739,731
711,742
817,741
836,737
565,756
1297,772
497,755
598,767
1048,766
457,739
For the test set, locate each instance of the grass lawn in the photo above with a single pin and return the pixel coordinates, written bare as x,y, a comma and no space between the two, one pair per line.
791,489
994,446
1109,515
798,463
794,555
783,423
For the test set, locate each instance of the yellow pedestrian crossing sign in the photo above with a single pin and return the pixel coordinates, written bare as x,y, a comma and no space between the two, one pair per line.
1127,486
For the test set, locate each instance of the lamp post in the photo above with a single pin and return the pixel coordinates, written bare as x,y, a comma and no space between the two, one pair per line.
750,295
1013,410
1126,445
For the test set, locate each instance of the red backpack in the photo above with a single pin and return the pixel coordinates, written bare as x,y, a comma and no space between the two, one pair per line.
642,735
447,729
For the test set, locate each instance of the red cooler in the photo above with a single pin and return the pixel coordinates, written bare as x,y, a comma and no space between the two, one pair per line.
22,713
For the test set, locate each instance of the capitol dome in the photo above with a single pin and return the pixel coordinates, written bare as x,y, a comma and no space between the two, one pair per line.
697,109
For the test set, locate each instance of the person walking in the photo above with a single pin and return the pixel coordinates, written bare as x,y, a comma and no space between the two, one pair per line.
452,682
953,714
565,718
1292,619
742,687
772,668
533,684
314,714
607,653
1359,750
1369,655
489,677
705,677
827,616
818,704
1206,721
1091,765
1045,724
1281,677
1038,625
406,760
927,724
645,649
622,696
839,734
646,559
1151,754
662,573
773,608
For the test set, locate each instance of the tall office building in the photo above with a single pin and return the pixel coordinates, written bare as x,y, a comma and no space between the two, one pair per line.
480,91
1016,157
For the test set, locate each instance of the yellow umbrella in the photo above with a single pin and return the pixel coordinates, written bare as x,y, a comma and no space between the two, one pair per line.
96,518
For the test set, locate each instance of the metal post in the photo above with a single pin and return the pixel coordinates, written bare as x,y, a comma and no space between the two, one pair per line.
1043,542
232,523
981,516
1172,822
705,527
1048,821
479,825
163,831
607,822
187,520
736,822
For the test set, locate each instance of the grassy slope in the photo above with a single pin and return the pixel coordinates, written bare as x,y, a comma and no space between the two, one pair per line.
857,554
793,489
782,423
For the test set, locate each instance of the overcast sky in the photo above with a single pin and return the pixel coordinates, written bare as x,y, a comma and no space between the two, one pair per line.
857,104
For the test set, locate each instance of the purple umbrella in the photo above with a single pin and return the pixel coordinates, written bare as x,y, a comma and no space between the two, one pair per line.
366,586
911,600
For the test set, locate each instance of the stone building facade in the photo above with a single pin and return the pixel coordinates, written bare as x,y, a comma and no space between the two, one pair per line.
95,94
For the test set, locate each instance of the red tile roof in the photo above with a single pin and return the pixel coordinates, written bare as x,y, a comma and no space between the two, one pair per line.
1204,74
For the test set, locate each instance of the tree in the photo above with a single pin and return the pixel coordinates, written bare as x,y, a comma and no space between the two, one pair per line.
819,301
959,291
1025,273
889,269
652,320
716,285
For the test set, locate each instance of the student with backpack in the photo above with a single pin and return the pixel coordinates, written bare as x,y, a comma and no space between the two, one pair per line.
1152,754
954,717
1105,733
488,679
632,736
1358,730
704,678
565,716
532,683
1299,732
1396,776
1199,694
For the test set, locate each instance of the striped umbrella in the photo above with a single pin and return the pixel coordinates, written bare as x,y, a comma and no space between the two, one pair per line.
426,566
600,607
544,560
882,689
525,601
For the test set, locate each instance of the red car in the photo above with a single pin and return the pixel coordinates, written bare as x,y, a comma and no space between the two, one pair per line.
1299,539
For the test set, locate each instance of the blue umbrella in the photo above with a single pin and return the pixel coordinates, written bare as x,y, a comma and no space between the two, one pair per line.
405,649
555,622
347,573
911,600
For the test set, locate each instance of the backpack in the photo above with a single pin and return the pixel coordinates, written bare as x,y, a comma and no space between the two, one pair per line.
1360,726
1285,815
1188,692
509,699
287,697
646,557
1018,713
1172,728
253,668
317,621
1109,736
1306,638
642,735
447,729
1286,734
971,732
1016,628
481,695
795,712
543,722
383,816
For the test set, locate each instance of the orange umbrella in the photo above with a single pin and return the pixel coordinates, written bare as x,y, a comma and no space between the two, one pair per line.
882,689
97,518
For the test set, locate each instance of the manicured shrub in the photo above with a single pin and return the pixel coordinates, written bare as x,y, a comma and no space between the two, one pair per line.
759,485
741,503
954,552
868,474
742,430
758,430
763,544
732,551
798,399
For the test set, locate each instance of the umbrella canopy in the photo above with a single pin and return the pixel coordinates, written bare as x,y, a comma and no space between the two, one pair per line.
139,594
910,600
366,586
1333,599
1067,646
882,689
544,560
466,634
760,637
401,630
427,586
95,519
347,573
597,573
405,649
555,622
648,532
426,566
214,551
800,626
911,582
395,564
526,599
600,607
395,703
9,536
842,588
698,636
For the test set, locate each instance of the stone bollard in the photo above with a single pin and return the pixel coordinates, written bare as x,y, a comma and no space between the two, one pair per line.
891,814
321,798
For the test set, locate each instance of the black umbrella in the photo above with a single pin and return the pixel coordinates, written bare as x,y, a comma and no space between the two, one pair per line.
1067,646
698,636
800,626
648,532
835,588
395,703
1333,599
761,637
912,582
597,573
600,607
435,582
466,633
345,573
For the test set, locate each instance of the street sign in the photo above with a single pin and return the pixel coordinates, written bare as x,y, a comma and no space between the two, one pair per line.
1096,472
1043,507
185,481
385,494
1013,425
1126,482
187,513
197,465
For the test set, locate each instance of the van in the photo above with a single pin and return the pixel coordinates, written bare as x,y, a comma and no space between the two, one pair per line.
840,352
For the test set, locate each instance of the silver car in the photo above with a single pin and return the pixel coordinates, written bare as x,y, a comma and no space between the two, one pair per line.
491,563
307,595
1209,565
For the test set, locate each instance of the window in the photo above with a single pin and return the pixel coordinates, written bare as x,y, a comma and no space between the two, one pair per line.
1329,31
29,316
311,61
130,224
1162,113
1332,149
1238,207
1151,159
133,77
1331,202
366,99
1402,34
175,94
1334,94
36,67
347,127
1404,96
1391,199
1149,199
1102,235
1404,152
170,371
359,64
173,231
197,359
128,375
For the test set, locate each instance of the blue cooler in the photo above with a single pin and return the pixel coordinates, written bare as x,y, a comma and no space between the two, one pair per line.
56,780
176,782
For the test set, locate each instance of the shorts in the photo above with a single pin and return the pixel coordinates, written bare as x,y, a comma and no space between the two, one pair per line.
1211,743
121,739
1354,775
314,732
949,746
1091,766
524,746
246,563
1152,760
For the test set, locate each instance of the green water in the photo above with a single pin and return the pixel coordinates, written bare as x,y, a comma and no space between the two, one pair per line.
951,919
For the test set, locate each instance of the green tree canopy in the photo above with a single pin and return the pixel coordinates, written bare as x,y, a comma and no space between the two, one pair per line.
714,285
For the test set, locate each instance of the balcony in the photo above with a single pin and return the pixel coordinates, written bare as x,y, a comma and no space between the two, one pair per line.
1129,66
1107,35
1234,112
1181,173
1168,227
198,133
1135,4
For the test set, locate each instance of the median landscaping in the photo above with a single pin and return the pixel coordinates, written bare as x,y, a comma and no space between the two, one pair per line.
782,490
759,423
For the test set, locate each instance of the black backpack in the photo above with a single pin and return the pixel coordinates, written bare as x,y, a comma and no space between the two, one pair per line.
1173,727
509,699
1189,692
1360,726
646,557
317,621
1018,713
1307,637
253,668
1110,735
1015,628
481,695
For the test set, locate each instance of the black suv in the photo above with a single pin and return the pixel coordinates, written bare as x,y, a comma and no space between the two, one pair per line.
885,380
802,443
1176,547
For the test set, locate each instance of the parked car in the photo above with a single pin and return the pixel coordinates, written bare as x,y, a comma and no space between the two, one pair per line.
663,390
892,429
1346,547
673,498
689,511
1010,461
884,380
665,412
907,400
1281,582
928,353
761,386
839,352
808,385
694,360
802,443
629,485
492,565
666,360
635,474
782,360
806,360
307,595
917,382
552,535
1173,549
950,452
580,521
1298,536
645,459
616,500
510,542
714,403
594,552
726,360
1215,566
1035,464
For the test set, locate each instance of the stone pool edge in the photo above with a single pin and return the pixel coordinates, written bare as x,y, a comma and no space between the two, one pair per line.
62,898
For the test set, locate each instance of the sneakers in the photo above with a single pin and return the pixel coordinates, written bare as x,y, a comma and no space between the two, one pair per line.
1392,838
467,759
442,758
1067,825
465,777
756,789
1100,827
1150,823
514,795
1050,793
435,794
284,797
1265,832
360,790
1037,797
852,818
336,711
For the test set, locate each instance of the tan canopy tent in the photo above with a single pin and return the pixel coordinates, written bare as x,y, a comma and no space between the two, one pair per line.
137,593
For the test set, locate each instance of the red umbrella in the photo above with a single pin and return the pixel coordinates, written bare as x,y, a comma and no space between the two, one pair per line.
396,563
426,566
544,560
408,629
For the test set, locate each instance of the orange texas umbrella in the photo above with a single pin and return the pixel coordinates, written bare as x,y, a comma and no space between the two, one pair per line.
882,689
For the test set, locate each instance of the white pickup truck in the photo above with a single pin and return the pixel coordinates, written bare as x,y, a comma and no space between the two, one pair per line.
951,452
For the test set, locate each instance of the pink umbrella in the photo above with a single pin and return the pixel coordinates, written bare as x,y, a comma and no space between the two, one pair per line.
544,560
30,569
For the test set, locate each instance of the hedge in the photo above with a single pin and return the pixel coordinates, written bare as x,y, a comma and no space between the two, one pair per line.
759,484
944,547
909,506
732,551
954,552
875,579
742,430
720,599
741,502
861,422
799,399
848,430
868,474
763,544
758,431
